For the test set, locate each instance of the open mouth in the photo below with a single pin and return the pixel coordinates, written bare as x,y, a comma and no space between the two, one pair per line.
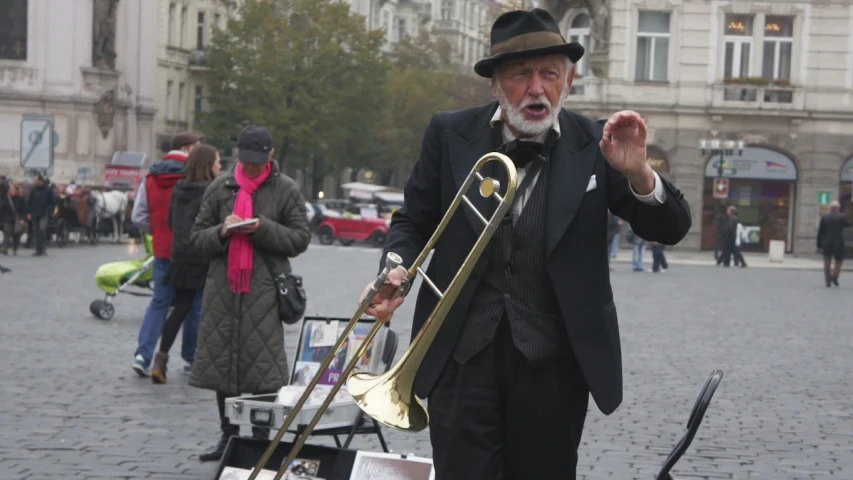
537,109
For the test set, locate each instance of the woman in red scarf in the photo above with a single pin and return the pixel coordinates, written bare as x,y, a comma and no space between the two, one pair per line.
241,339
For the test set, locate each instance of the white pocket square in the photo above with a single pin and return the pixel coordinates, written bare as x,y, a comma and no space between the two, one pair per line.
591,185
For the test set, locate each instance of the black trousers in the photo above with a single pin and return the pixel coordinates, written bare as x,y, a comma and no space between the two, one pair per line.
495,418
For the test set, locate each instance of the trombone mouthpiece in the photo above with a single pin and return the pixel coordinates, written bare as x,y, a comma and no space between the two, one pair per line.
392,261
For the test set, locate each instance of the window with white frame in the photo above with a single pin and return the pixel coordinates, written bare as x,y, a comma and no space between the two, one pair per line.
169,86
183,27
401,29
170,40
181,101
579,32
778,45
652,46
199,99
738,38
199,37
446,9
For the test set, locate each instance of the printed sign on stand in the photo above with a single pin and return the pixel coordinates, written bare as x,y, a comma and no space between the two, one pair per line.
721,188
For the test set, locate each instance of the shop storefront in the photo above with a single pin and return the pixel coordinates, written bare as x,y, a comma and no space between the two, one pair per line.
658,161
762,185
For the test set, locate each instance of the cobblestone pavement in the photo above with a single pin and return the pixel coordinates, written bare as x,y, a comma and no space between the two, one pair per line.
73,409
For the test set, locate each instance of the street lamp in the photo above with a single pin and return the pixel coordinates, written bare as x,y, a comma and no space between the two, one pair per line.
715,146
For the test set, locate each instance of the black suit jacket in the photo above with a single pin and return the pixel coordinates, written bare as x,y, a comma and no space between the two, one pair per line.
576,230
830,234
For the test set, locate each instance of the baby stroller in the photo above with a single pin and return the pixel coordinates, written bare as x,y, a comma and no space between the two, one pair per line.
117,277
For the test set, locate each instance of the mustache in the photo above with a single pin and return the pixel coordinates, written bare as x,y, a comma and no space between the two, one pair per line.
541,101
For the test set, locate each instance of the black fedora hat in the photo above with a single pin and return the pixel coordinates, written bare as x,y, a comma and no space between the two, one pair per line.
520,34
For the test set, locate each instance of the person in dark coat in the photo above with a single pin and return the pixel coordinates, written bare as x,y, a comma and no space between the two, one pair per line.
534,329
830,241
241,337
188,268
13,217
41,204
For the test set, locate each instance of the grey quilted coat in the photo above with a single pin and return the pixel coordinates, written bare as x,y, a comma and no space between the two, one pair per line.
241,339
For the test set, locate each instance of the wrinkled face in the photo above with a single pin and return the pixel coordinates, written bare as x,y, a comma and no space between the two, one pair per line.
531,92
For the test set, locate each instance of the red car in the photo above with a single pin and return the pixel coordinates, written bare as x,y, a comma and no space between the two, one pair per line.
351,228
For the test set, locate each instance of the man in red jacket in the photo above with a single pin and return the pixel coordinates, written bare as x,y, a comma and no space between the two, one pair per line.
151,215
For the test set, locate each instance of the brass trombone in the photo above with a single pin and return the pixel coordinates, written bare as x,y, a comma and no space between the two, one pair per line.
389,398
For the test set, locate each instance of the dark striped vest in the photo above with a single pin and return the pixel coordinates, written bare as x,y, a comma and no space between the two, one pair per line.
518,291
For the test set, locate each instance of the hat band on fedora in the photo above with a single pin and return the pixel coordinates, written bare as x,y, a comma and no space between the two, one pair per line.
528,41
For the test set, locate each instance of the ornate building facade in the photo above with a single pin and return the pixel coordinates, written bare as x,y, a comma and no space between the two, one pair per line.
185,29
86,64
462,23
777,76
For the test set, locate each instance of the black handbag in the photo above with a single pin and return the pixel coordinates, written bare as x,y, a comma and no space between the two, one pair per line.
289,293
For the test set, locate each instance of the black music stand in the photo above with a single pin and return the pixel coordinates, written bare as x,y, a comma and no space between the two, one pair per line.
693,423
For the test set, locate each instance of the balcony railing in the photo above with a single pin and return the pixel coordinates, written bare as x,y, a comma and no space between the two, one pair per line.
758,93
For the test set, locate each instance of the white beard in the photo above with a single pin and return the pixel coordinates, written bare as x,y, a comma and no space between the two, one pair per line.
530,128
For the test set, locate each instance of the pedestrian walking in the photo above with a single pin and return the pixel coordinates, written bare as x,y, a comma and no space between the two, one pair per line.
830,242
659,263
730,232
241,337
740,237
614,223
151,215
638,246
188,268
13,217
41,203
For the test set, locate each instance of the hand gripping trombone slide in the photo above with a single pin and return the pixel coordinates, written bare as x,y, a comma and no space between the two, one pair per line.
389,398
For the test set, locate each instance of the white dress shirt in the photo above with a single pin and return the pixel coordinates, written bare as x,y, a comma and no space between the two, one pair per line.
656,197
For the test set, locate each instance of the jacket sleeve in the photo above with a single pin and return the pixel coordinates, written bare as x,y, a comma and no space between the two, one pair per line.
205,232
414,223
287,235
139,214
666,223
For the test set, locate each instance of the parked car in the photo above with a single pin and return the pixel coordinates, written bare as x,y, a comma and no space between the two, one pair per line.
351,226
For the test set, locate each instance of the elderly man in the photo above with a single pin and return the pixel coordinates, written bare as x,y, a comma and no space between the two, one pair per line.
534,331
830,242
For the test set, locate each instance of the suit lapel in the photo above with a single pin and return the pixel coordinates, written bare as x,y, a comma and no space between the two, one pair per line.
571,166
473,141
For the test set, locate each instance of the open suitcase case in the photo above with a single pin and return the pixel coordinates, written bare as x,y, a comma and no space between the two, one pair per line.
317,337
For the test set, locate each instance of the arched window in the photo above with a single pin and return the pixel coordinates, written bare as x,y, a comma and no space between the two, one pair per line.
579,32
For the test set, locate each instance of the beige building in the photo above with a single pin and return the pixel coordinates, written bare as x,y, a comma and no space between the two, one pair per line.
777,76
186,28
463,23
85,70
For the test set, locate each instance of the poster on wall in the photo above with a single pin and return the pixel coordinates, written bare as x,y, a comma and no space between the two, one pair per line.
751,235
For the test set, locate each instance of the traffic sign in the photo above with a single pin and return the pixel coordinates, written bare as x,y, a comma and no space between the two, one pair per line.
721,188
38,141
823,198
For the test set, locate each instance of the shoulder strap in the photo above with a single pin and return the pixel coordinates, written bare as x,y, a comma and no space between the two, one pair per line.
270,265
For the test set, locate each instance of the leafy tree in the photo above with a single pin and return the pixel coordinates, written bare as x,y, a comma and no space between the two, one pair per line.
306,69
420,82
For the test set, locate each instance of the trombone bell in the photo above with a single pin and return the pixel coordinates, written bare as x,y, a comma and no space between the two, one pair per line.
377,396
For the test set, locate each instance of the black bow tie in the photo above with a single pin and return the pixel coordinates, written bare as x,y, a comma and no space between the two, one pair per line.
523,152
